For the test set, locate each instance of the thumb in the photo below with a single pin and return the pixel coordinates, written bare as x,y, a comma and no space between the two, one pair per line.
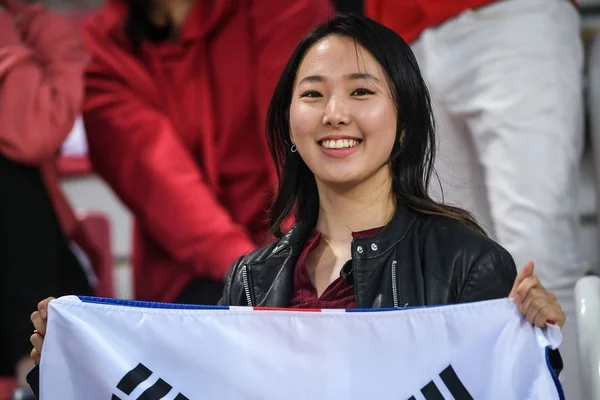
525,272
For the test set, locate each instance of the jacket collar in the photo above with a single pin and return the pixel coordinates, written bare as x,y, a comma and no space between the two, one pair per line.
394,232
363,248
273,275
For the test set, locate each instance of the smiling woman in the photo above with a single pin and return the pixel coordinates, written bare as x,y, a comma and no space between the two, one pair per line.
354,105
351,131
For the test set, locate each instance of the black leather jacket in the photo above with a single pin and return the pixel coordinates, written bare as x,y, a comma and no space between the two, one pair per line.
416,260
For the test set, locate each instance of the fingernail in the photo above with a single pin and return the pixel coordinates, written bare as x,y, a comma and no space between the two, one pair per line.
43,313
551,322
517,299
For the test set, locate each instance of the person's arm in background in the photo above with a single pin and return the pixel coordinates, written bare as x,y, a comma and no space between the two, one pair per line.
136,149
42,61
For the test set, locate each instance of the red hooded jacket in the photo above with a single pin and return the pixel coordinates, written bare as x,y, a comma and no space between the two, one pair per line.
178,131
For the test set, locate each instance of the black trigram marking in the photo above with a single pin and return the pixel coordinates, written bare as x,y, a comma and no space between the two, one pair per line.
156,391
431,392
136,376
133,378
452,382
454,385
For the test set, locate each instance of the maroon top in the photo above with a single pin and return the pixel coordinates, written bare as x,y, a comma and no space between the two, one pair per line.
339,294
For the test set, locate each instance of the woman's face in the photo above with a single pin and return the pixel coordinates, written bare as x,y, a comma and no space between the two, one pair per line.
342,116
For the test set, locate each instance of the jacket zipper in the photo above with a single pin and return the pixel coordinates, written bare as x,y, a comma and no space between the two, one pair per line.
246,285
395,285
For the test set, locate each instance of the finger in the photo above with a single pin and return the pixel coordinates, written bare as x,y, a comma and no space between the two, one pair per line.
43,307
546,314
37,341
556,314
533,312
533,294
525,272
35,356
39,323
523,289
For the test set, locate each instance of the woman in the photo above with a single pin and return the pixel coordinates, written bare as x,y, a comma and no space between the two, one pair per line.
174,98
351,132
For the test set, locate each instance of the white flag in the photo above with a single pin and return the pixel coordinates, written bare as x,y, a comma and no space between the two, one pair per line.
108,349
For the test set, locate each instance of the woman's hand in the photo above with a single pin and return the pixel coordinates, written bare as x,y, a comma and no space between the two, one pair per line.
537,304
40,321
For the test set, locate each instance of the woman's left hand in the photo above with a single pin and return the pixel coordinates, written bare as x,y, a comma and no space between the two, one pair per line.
537,304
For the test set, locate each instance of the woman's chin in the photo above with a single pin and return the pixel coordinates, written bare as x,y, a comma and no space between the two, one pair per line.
340,182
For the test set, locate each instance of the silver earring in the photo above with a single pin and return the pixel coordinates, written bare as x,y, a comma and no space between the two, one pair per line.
293,149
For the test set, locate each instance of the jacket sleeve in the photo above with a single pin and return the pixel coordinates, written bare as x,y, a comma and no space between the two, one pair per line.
491,276
135,148
42,61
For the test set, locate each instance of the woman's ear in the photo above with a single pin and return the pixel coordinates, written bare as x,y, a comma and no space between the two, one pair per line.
402,136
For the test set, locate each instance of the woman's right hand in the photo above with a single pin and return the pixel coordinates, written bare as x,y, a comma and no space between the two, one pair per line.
40,321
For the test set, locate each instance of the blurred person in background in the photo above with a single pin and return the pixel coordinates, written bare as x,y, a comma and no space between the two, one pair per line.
42,62
176,97
505,78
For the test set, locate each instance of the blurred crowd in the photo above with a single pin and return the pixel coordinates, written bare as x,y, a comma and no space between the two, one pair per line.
174,95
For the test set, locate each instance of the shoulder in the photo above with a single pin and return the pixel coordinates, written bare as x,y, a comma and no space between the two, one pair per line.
250,265
105,29
266,262
477,267
450,234
263,253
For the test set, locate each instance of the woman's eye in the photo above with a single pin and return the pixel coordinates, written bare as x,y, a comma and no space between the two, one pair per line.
311,94
362,92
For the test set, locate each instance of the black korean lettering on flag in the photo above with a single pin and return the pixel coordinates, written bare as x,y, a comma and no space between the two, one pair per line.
137,376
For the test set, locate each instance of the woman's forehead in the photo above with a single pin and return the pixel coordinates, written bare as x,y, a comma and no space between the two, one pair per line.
338,55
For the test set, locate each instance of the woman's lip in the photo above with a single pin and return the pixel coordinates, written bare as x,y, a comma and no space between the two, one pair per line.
337,137
339,153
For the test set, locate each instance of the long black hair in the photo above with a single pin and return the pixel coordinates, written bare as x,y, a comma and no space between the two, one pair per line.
412,156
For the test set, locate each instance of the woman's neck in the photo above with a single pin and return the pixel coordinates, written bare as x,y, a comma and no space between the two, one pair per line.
174,12
368,205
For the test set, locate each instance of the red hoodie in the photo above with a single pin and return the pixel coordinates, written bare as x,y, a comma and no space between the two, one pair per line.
178,131
409,18
42,62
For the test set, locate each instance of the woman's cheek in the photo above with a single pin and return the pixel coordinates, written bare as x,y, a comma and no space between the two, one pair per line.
304,120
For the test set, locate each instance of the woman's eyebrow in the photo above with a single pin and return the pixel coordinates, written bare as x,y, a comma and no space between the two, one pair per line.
353,76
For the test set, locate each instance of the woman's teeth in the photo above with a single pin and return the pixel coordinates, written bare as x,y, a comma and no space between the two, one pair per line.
339,144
